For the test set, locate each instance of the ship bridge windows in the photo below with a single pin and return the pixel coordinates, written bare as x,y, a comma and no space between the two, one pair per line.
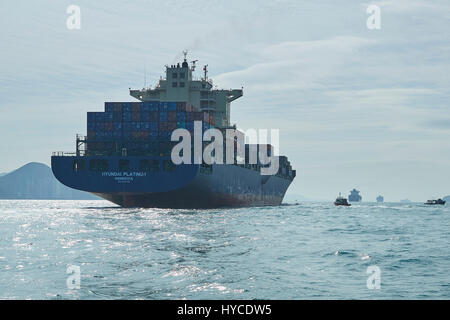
182,84
182,75
169,166
175,75
98,165
149,165
174,84
78,165
124,165
204,94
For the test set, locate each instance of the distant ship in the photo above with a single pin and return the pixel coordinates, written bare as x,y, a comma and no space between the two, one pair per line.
341,201
380,199
354,196
435,202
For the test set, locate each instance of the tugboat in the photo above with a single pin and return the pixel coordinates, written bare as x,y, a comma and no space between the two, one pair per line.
435,202
341,201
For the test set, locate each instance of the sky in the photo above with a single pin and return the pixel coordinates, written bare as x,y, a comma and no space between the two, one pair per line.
356,108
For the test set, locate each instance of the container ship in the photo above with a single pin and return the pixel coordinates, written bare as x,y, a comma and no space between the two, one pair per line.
354,196
125,157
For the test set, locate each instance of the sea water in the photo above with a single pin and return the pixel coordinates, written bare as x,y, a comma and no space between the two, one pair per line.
96,250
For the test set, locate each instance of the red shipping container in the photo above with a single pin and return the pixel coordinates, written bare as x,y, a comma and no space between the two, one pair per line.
211,119
181,106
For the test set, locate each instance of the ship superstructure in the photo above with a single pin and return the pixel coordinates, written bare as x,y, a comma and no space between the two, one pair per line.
180,86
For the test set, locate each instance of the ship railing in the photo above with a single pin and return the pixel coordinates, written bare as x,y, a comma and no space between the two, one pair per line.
68,154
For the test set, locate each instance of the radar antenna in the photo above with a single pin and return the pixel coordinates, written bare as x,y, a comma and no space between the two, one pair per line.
193,65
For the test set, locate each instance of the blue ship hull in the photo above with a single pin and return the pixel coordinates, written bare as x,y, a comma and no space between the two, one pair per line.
189,186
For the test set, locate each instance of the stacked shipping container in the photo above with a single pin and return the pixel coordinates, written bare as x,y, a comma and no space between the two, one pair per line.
140,127
145,128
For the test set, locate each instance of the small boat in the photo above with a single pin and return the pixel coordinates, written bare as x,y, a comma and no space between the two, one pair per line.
341,201
435,202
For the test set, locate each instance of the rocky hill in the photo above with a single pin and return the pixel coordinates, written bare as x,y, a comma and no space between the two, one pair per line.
36,181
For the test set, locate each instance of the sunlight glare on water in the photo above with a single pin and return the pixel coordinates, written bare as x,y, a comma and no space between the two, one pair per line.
305,251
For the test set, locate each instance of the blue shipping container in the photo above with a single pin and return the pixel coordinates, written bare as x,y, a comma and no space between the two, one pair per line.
99,126
136,125
91,117
91,126
127,116
108,116
164,134
127,126
109,107
163,116
163,106
99,116
117,116
108,135
190,126
181,116
154,126
154,106
171,106
145,116
126,106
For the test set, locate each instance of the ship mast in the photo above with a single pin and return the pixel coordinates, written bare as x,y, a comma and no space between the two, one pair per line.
205,70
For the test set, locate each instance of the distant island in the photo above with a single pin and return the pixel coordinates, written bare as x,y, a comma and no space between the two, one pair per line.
36,181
